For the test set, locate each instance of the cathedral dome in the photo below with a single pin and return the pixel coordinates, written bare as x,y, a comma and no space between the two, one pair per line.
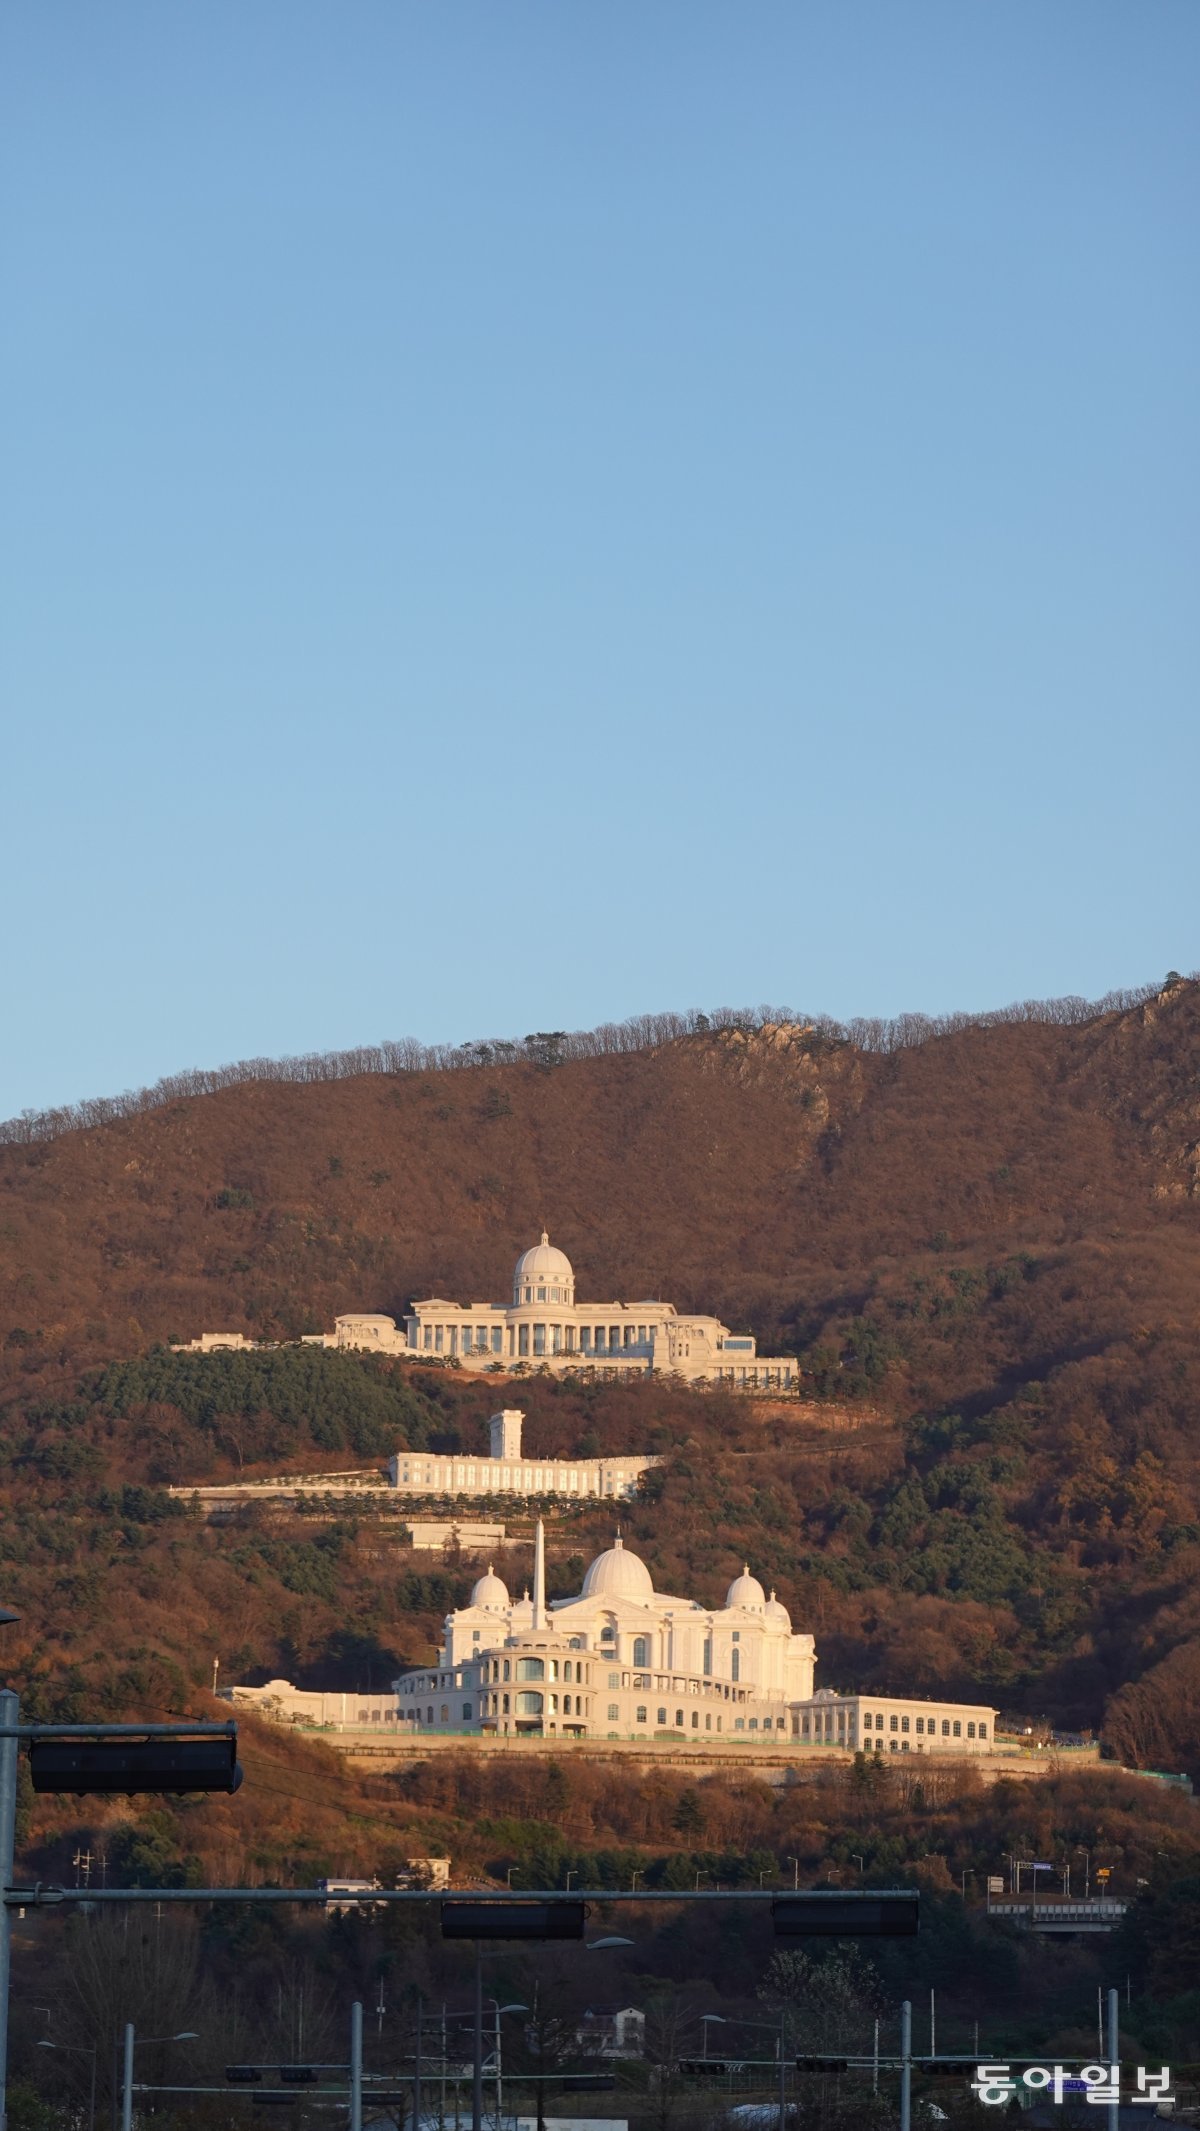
746,1590
544,1267
775,1611
617,1574
490,1591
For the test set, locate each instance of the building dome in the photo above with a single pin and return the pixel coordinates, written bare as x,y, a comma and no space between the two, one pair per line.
491,1591
617,1574
775,1611
545,1268
746,1590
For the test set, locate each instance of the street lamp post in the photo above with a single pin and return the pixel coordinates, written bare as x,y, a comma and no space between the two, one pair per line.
80,2049
794,1862
187,2034
498,2009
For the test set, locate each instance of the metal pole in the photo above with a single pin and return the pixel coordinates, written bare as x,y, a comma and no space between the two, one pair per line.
477,2081
127,2080
932,2027
499,2075
92,2101
782,2072
906,2066
1114,2052
875,2063
417,2067
8,1830
356,2066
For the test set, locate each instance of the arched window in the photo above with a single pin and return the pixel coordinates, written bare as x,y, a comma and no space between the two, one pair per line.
707,1661
507,1670
529,1705
566,1705
531,1668
641,1650
608,1633
737,1664
567,1668
445,1716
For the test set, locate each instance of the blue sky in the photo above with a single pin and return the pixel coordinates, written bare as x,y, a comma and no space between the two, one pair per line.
515,515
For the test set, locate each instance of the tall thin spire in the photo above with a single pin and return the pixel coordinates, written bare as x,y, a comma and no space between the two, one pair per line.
539,1575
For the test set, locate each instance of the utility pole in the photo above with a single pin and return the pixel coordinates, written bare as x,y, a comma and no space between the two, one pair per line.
1114,2052
8,1830
416,2061
127,2080
906,2066
477,2082
783,2071
356,2083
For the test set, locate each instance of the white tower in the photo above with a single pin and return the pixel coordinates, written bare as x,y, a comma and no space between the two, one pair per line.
506,1432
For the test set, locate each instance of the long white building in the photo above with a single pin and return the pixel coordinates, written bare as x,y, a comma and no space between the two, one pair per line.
510,1470
623,1661
544,1327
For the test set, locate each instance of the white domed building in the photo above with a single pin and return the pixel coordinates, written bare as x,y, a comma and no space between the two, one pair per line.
621,1660
624,1662
546,1328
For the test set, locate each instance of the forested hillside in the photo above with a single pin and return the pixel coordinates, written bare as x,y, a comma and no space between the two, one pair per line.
986,1245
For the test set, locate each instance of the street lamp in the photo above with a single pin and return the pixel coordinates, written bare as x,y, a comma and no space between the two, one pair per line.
767,2027
187,2034
855,1859
80,2049
708,2020
498,2008
795,1864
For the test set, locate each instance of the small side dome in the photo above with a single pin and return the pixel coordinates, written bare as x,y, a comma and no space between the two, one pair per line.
746,1590
775,1611
617,1574
491,1591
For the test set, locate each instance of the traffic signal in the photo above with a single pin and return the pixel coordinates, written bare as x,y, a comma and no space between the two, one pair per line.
885,1915
298,2075
243,2075
822,2064
171,1766
703,2067
466,1919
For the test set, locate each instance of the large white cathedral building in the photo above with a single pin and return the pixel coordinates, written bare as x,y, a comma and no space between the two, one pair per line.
544,1327
622,1661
